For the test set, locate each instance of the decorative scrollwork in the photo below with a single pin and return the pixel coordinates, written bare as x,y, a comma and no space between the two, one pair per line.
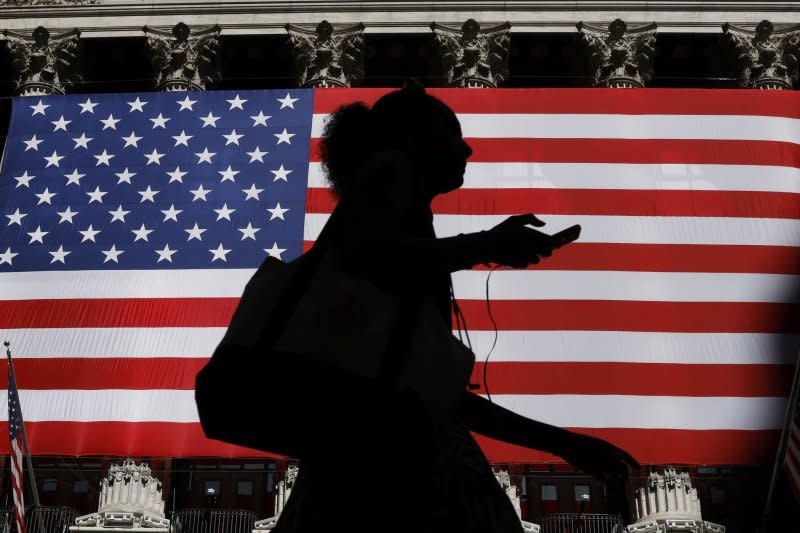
327,57
184,59
471,56
44,63
621,57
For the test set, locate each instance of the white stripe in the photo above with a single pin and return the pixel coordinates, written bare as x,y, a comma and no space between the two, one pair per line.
649,412
598,126
626,229
65,405
628,286
470,285
563,410
637,347
667,176
43,343
578,346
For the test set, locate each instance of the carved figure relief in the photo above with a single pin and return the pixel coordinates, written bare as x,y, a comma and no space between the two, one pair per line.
327,57
44,63
183,59
620,56
471,56
768,58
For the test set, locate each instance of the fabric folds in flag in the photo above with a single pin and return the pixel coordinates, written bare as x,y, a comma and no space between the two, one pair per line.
129,224
16,445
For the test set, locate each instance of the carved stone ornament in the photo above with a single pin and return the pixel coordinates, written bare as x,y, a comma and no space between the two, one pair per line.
621,57
471,56
768,58
184,59
282,493
44,63
130,499
327,57
669,503
504,479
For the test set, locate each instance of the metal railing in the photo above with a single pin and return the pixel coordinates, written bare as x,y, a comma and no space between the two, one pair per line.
42,519
212,521
581,523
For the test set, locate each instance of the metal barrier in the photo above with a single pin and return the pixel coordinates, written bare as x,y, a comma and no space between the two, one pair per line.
212,521
39,519
581,523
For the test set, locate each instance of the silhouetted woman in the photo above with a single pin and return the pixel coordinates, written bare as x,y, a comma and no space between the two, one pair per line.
388,459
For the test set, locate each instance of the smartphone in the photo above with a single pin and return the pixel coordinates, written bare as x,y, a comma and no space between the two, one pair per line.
568,235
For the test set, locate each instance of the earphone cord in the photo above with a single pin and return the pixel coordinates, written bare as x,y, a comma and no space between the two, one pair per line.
494,342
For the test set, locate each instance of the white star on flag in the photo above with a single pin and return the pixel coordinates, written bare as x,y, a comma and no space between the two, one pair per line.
7,256
87,106
16,217
165,254
118,214
200,193
284,137
171,213
195,233
112,254
33,143
249,232
66,215
53,159
252,192
148,194
236,103
210,120
37,235
219,253
24,180
228,174
232,138
132,139
137,105
160,121
96,195
82,141
257,155
287,101
176,175
224,212
59,255
260,119
45,196
205,156
74,177
141,233
60,124
89,234
182,139
281,174
275,251
186,103
110,122
153,157
125,176
277,211
38,109
104,158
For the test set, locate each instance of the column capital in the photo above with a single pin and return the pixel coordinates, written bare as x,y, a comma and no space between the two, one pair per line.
768,57
184,59
621,57
327,56
473,56
45,63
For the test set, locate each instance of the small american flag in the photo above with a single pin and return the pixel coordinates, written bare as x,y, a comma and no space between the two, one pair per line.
792,461
15,437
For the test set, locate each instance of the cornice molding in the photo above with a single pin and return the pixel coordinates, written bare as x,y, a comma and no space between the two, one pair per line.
126,18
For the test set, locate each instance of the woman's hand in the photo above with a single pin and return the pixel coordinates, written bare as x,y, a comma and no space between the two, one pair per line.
514,243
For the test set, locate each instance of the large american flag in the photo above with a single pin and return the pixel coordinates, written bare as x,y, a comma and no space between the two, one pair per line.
131,222
17,445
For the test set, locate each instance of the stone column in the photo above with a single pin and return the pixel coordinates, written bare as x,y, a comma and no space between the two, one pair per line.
621,57
44,63
768,58
472,56
184,59
328,57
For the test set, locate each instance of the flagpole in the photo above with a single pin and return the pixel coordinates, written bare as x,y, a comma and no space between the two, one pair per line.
780,458
35,487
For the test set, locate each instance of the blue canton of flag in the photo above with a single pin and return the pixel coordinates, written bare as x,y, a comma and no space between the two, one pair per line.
154,180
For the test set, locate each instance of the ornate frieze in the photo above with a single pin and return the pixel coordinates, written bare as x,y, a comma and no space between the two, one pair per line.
621,57
47,2
768,58
472,56
184,59
130,499
44,63
328,57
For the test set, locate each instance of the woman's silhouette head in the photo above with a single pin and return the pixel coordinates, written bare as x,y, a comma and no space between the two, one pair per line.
409,121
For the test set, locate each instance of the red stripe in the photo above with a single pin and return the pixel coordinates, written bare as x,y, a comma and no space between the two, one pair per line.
644,151
592,315
588,101
176,373
669,258
187,440
504,377
752,204
652,446
645,379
